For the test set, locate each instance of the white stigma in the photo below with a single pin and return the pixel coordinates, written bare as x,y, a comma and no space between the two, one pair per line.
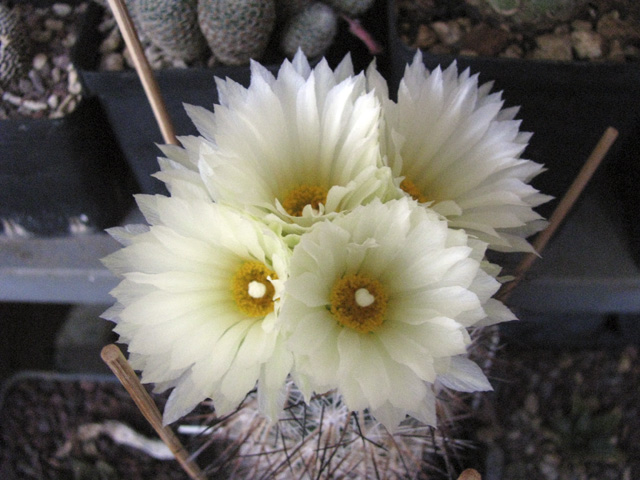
257,289
364,298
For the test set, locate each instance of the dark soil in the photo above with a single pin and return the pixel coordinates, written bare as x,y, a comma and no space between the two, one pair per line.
39,432
563,415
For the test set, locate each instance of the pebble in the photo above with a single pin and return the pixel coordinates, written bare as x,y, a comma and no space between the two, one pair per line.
426,37
449,33
70,40
53,101
61,9
111,43
34,106
513,51
56,75
485,40
625,363
112,62
581,26
587,44
553,46
611,25
11,98
40,61
54,24
36,82
75,87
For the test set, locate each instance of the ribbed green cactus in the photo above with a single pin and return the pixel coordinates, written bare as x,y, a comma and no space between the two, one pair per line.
237,30
312,30
353,8
14,46
172,25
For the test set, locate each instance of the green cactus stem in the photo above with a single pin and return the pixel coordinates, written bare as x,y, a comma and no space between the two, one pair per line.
172,25
312,30
237,30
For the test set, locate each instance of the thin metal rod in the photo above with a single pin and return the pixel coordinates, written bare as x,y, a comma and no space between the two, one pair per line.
113,357
151,89
562,210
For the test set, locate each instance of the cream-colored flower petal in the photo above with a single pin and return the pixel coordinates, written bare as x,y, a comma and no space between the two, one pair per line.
464,375
184,398
391,302
182,308
460,150
304,128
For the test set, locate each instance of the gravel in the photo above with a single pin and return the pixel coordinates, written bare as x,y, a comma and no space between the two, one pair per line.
605,30
51,89
564,415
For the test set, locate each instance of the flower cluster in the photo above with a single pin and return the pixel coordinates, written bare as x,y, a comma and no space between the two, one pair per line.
317,230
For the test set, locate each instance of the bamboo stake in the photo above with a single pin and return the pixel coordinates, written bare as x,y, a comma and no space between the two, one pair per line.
113,357
131,39
564,207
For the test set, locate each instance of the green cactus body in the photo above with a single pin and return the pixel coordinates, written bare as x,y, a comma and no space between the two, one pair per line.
172,25
14,47
352,8
237,30
311,30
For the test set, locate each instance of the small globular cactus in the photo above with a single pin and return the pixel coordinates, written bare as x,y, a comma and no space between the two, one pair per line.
312,30
237,30
14,46
172,26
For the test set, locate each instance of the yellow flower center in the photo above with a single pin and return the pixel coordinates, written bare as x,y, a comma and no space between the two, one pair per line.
252,289
359,302
409,187
304,195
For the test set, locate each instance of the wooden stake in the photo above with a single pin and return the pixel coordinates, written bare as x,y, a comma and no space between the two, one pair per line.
131,39
561,211
113,357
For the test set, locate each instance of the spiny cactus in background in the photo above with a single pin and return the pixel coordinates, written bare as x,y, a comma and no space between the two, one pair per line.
542,14
312,30
350,7
172,26
14,46
237,30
